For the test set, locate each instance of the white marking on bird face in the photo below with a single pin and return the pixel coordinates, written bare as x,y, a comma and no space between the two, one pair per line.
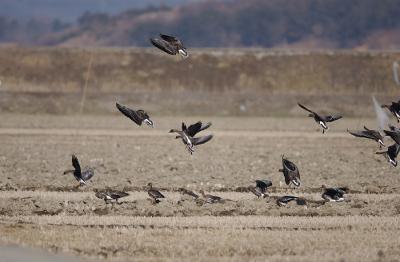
323,124
148,122
393,162
183,53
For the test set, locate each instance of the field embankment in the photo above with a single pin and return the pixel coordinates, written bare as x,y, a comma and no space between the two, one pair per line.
210,82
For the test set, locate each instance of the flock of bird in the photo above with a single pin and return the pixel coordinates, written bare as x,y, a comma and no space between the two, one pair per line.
187,134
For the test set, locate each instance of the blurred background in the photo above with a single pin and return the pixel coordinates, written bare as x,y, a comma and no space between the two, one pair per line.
247,56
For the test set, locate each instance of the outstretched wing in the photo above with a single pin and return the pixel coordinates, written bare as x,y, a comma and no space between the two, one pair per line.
203,127
131,114
168,38
364,134
394,135
192,130
332,118
305,108
75,163
201,140
87,174
164,46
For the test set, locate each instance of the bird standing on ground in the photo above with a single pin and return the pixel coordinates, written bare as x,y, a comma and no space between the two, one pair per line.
137,116
82,176
370,134
334,194
185,191
283,201
154,193
290,172
187,135
321,120
260,190
111,195
170,44
210,199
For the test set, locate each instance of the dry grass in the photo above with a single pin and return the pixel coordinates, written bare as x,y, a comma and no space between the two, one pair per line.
38,206
266,83
204,238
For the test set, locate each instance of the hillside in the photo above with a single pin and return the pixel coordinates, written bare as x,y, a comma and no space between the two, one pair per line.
361,24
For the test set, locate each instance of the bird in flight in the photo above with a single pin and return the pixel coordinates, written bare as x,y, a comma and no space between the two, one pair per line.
137,116
321,120
170,44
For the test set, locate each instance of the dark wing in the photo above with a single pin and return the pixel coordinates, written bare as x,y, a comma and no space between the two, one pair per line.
364,134
142,114
155,193
131,114
164,46
394,135
87,174
192,130
203,127
118,194
305,108
332,118
75,163
393,150
263,183
168,38
201,140
286,199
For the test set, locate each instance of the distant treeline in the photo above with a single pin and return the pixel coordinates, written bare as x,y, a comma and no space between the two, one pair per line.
237,23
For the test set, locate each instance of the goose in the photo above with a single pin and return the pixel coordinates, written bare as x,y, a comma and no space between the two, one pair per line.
110,195
321,120
210,199
394,108
137,116
186,134
283,201
260,190
290,172
394,134
185,191
82,176
334,194
170,44
391,154
192,130
370,134
154,193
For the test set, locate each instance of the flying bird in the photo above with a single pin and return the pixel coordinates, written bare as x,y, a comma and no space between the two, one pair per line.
290,172
111,195
154,193
394,134
82,176
260,190
394,108
137,116
321,120
170,44
334,194
187,135
370,134
391,154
